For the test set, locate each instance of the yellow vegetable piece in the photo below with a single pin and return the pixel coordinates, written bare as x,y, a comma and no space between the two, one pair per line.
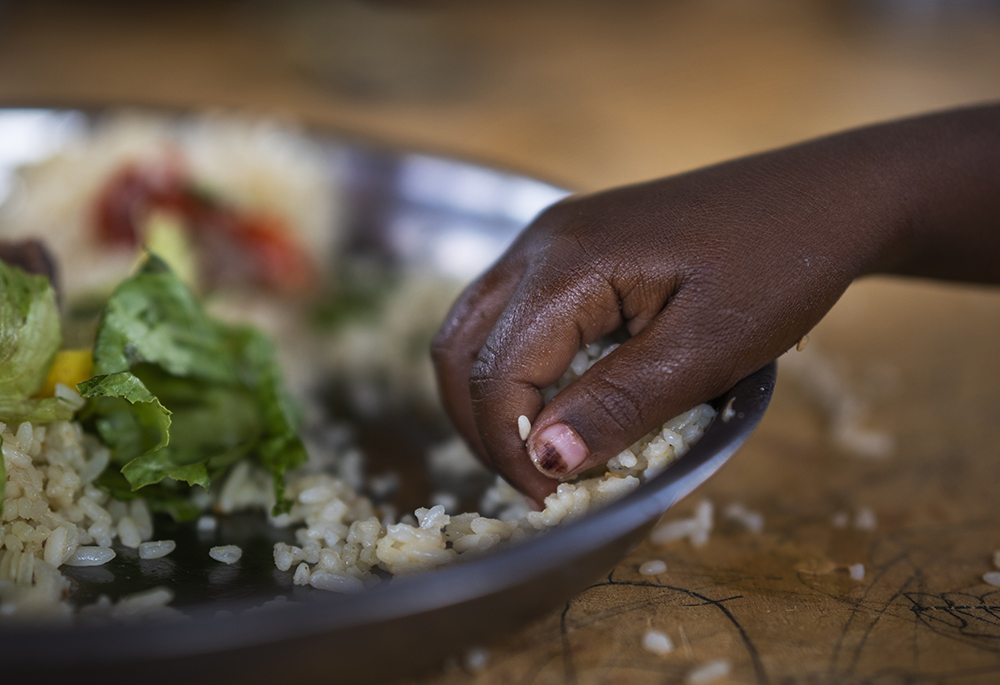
168,240
69,368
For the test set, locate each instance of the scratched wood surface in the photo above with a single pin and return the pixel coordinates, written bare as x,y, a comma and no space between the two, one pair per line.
780,606
593,94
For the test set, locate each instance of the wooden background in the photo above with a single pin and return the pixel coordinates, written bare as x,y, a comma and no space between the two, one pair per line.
592,94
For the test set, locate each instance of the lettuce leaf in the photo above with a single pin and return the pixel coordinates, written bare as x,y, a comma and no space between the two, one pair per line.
30,336
180,396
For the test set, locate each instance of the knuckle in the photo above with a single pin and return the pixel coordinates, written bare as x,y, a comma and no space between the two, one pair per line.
620,404
483,375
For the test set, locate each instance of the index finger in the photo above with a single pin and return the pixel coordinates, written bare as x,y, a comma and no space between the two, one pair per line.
549,317
461,337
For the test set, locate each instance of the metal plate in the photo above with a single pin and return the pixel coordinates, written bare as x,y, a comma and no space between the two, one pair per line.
413,209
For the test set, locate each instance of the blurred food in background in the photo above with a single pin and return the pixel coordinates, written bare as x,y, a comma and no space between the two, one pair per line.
225,202
587,93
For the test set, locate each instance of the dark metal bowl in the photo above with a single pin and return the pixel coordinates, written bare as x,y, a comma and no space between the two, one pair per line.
408,207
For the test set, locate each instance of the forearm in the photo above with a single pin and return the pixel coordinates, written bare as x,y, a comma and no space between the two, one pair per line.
941,175
714,272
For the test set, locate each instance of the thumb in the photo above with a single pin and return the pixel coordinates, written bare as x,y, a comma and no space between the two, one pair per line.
680,359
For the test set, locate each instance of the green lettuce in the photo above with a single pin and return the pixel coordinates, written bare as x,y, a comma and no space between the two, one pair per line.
30,336
180,397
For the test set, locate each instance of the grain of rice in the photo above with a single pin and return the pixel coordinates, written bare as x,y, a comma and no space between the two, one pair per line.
13,542
206,524
24,436
95,465
696,529
90,556
93,510
656,642
996,559
301,575
9,512
864,519
704,514
653,567
69,395
278,603
101,533
728,412
138,511
227,554
25,569
671,531
708,672
753,521
283,556
856,571
128,533
156,549
142,603
523,427
335,582
55,546
847,410
992,578
840,519
117,509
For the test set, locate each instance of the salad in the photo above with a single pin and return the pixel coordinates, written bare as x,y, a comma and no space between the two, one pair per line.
177,396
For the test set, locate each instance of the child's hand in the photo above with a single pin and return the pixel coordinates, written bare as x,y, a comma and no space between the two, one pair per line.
714,273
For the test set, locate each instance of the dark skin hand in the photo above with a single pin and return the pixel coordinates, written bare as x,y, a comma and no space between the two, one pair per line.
714,273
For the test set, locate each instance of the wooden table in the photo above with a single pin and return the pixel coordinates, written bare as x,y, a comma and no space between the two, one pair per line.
591,95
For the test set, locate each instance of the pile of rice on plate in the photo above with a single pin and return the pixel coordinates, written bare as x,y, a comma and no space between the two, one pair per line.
53,515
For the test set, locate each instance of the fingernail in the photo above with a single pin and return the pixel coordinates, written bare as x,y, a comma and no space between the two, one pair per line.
557,450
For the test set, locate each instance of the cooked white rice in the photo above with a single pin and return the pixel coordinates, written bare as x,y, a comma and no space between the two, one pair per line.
753,521
523,426
655,642
90,556
206,524
53,515
227,554
157,549
708,672
864,519
696,529
653,567
847,410
343,545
